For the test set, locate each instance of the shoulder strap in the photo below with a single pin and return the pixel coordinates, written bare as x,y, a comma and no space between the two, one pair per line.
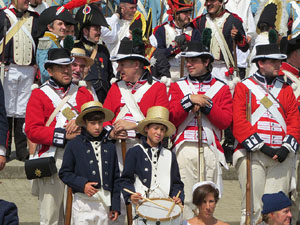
61,104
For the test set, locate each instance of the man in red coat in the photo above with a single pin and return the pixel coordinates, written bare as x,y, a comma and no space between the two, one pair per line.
130,98
199,91
51,130
272,134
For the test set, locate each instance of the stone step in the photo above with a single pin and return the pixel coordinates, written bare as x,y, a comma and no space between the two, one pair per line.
14,169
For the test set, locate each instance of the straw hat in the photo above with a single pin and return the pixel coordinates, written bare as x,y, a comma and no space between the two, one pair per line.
157,114
80,53
93,106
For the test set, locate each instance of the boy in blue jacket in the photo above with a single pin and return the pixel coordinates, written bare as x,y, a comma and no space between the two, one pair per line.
90,168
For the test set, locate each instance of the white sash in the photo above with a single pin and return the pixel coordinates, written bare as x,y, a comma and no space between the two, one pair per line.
207,126
260,94
294,79
220,39
131,100
297,9
60,118
25,30
163,182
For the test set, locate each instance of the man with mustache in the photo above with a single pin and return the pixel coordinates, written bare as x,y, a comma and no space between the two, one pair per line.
51,30
271,135
51,135
91,19
19,60
226,27
172,37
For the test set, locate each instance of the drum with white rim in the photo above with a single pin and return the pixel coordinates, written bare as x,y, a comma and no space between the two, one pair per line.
149,213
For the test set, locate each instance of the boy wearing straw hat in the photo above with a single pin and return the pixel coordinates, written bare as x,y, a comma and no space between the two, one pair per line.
151,170
90,168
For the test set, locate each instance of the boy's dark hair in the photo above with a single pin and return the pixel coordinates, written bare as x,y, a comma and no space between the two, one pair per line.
94,116
201,192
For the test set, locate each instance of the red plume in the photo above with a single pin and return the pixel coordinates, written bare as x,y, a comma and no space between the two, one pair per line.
77,3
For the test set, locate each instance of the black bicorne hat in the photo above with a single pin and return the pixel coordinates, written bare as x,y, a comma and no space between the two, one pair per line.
58,56
293,45
269,51
53,13
196,49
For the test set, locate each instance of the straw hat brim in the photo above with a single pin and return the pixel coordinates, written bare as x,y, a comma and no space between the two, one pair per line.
88,60
109,115
170,126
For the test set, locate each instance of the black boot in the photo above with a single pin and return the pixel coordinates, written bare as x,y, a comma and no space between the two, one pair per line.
20,139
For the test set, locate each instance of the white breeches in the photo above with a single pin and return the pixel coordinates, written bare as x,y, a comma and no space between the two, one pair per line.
17,89
268,176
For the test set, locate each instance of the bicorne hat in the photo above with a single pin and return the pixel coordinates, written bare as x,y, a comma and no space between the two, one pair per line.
58,56
268,51
49,15
157,115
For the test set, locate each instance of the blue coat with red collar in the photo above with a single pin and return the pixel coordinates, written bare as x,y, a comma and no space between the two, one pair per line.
81,166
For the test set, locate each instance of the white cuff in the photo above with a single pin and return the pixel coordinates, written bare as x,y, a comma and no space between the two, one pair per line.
2,150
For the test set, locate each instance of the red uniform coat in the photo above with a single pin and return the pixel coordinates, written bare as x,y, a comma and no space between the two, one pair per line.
38,111
288,67
220,115
245,133
155,96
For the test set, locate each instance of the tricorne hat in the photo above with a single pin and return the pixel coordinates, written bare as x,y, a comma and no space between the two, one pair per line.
93,106
58,56
196,49
132,50
80,53
202,183
268,51
158,115
275,202
49,15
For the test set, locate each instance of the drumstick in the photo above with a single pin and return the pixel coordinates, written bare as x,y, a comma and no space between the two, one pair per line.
146,199
173,205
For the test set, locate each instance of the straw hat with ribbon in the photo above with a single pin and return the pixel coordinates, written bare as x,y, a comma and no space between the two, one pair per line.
93,106
80,53
158,115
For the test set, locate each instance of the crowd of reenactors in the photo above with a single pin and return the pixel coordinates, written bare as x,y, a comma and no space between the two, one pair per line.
126,112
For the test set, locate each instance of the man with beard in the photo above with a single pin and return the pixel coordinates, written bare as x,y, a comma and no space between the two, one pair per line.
272,133
19,60
172,36
199,91
51,30
51,128
91,20
80,68
226,28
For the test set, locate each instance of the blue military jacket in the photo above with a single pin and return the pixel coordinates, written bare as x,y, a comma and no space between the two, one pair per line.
81,166
137,164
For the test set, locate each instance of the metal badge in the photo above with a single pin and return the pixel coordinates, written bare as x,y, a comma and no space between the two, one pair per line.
266,102
68,113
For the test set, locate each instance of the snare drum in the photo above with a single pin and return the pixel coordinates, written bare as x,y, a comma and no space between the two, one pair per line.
149,213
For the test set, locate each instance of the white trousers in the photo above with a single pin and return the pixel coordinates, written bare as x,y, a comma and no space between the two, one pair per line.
88,212
17,89
268,176
51,193
187,158
130,142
